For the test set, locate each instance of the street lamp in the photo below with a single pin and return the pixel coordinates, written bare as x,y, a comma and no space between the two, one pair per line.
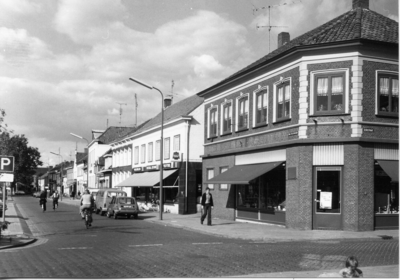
61,174
80,137
161,142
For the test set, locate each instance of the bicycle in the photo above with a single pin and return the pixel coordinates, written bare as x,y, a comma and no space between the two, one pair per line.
55,204
87,214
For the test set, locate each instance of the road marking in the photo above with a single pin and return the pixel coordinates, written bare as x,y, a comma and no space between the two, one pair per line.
263,242
146,245
75,248
209,243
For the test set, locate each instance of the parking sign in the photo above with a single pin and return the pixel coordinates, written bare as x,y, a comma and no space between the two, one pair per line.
6,164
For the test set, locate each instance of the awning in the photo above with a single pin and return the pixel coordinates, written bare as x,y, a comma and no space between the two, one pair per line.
391,168
147,179
243,174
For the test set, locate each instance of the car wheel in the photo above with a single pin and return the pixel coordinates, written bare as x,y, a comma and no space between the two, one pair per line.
115,216
135,216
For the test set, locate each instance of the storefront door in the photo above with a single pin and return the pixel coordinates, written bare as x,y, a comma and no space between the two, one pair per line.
327,212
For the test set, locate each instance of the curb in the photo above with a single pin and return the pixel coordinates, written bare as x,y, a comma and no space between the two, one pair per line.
19,244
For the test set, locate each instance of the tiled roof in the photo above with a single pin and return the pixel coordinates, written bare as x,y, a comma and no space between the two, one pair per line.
114,132
357,23
181,108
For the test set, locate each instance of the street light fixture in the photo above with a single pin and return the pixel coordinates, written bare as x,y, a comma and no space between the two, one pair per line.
80,137
61,174
161,142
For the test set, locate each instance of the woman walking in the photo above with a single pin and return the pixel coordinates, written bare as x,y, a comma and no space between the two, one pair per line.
206,205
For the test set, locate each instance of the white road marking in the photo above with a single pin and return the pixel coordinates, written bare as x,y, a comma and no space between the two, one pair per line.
75,248
209,243
147,245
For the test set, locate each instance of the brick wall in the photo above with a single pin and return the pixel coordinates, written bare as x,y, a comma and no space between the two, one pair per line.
224,200
299,191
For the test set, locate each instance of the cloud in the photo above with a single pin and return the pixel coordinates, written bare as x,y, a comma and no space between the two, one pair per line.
10,9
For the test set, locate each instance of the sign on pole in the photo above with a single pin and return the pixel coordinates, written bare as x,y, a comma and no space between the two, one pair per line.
7,177
6,164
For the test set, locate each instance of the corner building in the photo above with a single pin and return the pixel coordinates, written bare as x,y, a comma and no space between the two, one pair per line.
307,136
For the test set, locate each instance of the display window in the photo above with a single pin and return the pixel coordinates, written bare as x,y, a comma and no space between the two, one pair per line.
267,192
386,193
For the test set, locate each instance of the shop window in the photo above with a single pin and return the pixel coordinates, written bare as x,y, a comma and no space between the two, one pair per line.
388,94
328,189
243,113
329,93
223,186
226,118
143,153
158,147
210,175
386,192
136,155
213,122
261,108
167,148
150,152
283,98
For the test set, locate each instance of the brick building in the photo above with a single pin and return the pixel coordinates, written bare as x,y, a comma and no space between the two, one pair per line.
307,136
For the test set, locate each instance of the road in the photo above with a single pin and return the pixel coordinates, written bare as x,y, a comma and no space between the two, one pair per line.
128,248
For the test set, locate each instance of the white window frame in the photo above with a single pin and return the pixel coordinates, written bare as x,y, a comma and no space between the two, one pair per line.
143,153
150,152
129,156
212,107
211,186
275,99
260,89
177,143
167,148
226,102
377,73
136,155
242,95
328,71
157,151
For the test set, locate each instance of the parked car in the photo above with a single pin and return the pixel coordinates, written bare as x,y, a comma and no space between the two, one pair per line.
1,208
19,192
103,199
123,206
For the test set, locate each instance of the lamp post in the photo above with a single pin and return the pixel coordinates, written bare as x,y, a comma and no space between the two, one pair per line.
61,174
80,137
161,142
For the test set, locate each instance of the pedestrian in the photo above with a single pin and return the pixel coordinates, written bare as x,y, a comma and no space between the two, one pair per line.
55,196
73,195
79,194
206,205
351,270
43,200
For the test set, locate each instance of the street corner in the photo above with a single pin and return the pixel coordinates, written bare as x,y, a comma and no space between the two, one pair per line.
13,241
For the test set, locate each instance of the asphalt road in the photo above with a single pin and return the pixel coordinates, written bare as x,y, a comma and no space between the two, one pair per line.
138,248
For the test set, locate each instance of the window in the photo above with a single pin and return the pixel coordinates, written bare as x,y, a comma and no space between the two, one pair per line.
226,117
167,148
177,142
158,147
150,152
261,107
388,94
223,186
143,153
210,174
283,101
213,122
243,113
129,156
136,155
329,92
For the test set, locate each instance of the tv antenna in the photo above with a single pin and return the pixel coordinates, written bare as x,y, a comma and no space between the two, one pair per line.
136,105
120,111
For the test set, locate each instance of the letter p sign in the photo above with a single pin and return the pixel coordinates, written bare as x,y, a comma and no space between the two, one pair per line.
6,164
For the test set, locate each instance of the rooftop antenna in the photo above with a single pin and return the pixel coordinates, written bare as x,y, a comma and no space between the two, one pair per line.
136,105
120,111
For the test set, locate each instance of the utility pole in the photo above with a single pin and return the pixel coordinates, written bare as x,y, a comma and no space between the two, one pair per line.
120,111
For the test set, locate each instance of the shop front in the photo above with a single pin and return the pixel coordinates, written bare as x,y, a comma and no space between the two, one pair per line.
386,206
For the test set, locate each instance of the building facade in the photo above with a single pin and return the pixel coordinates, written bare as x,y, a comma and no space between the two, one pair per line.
307,136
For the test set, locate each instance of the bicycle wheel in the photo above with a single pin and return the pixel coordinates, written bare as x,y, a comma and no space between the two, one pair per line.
86,221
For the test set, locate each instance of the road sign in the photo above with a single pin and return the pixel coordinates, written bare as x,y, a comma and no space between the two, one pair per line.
6,177
6,164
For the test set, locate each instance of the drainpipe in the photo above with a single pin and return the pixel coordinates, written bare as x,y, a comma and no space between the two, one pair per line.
187,160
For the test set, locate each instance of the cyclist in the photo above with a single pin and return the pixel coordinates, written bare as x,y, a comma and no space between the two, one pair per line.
55,196
87,202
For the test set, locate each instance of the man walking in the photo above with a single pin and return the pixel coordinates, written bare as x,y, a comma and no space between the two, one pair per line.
206,205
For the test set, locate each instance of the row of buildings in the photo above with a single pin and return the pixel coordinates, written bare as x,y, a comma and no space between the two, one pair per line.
305,137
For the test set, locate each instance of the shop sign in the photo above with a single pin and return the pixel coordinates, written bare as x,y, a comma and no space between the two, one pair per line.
152,167
137,169
175,155
293,133
368,130
167,165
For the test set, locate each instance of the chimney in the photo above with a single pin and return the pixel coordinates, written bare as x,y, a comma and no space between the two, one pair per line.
167,101
361,4
283,39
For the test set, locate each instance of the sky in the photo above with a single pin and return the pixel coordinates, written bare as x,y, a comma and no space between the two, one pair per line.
65,64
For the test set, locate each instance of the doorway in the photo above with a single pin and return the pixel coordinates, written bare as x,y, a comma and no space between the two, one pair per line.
327,211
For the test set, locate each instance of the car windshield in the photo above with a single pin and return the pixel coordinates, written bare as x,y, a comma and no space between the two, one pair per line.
126,200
